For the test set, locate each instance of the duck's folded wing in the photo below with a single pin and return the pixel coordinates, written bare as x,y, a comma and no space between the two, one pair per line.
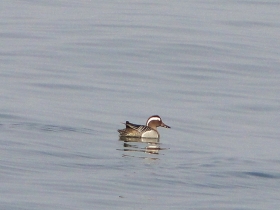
139,128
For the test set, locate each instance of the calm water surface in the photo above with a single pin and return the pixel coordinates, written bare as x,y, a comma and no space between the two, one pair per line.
72,72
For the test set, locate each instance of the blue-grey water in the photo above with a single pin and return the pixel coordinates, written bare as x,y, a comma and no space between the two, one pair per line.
72,71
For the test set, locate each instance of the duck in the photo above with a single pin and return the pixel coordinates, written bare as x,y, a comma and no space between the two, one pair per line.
143,131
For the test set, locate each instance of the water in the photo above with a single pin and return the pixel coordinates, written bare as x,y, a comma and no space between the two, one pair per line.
71,72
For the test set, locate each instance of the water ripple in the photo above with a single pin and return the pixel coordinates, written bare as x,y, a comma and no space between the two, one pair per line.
262,175
45,128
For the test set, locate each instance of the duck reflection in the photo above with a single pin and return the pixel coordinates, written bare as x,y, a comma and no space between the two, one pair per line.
152,146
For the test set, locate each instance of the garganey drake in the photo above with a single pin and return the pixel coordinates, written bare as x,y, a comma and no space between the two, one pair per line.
143,131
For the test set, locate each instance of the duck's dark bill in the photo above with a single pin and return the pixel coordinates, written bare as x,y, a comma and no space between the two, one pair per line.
165,126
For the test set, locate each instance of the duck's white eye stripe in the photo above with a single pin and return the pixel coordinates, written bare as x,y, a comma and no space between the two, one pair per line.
153,118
